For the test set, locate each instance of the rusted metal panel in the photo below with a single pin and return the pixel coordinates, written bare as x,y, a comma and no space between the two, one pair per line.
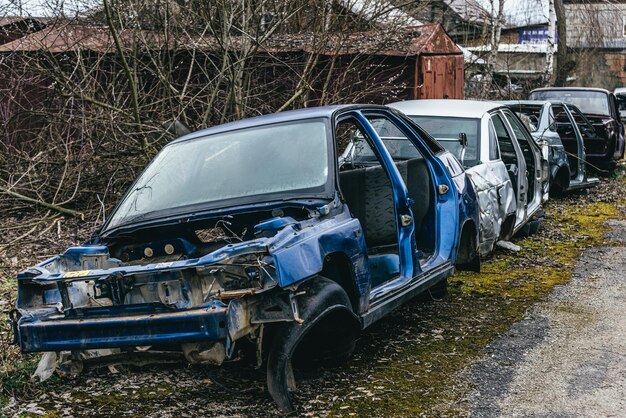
439,77
412,41
459,77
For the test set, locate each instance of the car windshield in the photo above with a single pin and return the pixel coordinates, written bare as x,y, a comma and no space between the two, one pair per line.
448,130
592,102
288,158
621,101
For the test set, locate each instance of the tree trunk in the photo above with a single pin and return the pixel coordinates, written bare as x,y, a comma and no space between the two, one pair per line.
494,43
563,63
550,43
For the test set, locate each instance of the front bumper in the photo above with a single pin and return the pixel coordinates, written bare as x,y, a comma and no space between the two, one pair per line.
162,328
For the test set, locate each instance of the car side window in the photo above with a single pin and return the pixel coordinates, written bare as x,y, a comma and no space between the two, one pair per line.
494,149
551,120
352,147
586,128
507,149
518,128
398,145
563,123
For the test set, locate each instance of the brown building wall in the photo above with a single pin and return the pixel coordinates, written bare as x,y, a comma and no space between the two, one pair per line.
616,62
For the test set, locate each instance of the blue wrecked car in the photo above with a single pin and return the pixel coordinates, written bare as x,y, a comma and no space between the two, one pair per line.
249,233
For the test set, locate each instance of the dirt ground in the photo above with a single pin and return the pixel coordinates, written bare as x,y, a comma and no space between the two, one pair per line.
567,357
536,333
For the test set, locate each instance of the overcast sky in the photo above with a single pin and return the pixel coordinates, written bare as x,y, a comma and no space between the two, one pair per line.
44,7
518,12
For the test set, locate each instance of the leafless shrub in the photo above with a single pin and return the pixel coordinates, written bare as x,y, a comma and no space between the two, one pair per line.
87,101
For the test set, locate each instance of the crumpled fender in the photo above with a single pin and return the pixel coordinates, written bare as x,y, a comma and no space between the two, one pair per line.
302,254
496,201
321,297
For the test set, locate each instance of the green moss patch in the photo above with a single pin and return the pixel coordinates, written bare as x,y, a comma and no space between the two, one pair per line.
436,341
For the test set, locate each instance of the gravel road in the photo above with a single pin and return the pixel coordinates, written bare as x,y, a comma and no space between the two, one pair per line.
567,358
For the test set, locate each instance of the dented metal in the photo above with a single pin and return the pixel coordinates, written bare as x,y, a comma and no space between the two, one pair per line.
205,276
496,200
504,207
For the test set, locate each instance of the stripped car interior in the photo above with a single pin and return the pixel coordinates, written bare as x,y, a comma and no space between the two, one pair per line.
557,126
499,156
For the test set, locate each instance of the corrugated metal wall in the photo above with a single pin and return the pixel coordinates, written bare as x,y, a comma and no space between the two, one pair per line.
439,77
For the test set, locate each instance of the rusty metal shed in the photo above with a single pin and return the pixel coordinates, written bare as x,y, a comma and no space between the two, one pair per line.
431,63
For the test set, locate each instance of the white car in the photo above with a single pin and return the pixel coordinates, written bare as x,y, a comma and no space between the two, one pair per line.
500,156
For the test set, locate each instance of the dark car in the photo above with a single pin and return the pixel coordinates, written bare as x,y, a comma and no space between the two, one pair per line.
249,234
606,145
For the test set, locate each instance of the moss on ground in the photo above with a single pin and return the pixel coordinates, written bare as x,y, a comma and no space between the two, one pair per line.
421,377
407,364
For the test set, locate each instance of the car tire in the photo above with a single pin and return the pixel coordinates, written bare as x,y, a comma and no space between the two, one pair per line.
468,254
324,302
439,290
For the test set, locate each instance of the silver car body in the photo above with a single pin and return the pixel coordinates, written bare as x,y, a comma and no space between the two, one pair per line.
504,207
568,168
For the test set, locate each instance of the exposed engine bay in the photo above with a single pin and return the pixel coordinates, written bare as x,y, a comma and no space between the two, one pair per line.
173,287
216,265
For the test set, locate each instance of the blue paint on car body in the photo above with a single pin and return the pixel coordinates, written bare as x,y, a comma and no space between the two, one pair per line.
153,281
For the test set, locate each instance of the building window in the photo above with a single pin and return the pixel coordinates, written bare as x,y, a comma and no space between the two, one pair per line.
624,26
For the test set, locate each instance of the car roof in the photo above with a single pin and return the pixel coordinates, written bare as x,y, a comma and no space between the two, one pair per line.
572,89
619,90
535,102
526,102
446,107
287,116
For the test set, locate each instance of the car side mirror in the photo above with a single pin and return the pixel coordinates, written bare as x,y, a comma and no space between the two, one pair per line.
463,139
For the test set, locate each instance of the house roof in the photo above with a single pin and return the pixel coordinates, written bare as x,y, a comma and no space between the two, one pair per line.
8,20
14,27
468,10
410,41
520,48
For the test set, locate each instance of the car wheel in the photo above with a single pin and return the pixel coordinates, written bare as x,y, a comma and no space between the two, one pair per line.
439,291
468,255
327,335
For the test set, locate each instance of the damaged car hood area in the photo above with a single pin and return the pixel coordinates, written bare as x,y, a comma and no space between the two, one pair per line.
102,301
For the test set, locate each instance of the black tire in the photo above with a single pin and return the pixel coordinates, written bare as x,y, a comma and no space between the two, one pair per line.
468,256
440,290
561,181
534,226
323,304
506,232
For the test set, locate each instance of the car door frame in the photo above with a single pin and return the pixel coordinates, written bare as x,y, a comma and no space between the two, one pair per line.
522,181
534,205
493,186
413,277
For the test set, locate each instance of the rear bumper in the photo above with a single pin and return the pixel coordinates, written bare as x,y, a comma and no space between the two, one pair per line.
204,324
